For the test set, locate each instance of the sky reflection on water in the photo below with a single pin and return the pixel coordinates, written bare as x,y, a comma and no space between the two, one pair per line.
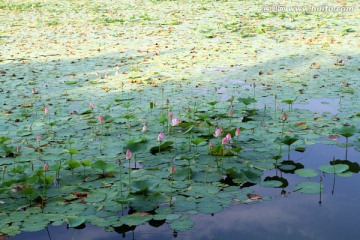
296,216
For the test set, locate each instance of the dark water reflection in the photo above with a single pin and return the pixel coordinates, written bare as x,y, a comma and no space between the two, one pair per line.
295,216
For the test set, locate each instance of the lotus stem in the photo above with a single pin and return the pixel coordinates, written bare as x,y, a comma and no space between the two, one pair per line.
129,176
119,161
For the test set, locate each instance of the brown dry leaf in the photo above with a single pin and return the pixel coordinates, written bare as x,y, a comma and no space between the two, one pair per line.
314,65
105,88
254,196
318,119
3,237
80,194
334,137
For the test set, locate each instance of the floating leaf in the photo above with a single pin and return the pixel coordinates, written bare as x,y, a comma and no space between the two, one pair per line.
306,172
182,225
198,141
337,168
74,221
252,175
272,183
209,207
135,219
309,187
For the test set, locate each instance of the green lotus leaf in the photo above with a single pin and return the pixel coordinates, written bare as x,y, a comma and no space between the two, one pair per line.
202,116
306,172
86,112
345,174
4,139
345,131
159,217
251,175
101,165
173,216
143,187
144,203
288,140
10,230
289,101
309,187
86,163
335,169
213,103
136,219
182,225
247,101
75,221
72,164
136,144
166,145
96,196
209,207
162,118
198,141
271,183
71,151
183,206
287,167
124,199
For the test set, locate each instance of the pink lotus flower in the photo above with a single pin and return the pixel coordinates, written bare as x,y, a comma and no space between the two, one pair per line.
211,145
160,137
228,136
145,128
231,112
33,91
38,138
175,122
172,170
128,154
101,119
18,148
46,167
188,109
91,105
225,141
217,133
284,116
46,111
170,114
237,132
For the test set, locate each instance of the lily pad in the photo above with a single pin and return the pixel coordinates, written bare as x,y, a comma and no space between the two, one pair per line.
309,187
182,225
337,168
306,172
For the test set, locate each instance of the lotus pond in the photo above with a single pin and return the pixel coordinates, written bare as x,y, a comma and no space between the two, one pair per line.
187,119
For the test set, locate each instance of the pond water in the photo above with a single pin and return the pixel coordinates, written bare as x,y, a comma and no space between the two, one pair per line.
287,215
